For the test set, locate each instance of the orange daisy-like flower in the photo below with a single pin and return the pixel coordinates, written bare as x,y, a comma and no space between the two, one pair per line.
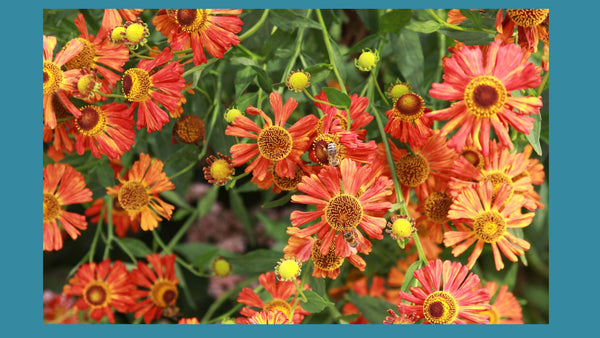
449,294
63,185
156,286
147,85
101,288
280,294
404,317
60,309
269,317
426,164
120,217
59,136
358,115
218,170
139,189
407,121
98,55
535,170
532,27
488,213
500,167
278,184
325,264
106,129
345,199
275,144
114,17
481,86
57,82
432,214
505,308
199,29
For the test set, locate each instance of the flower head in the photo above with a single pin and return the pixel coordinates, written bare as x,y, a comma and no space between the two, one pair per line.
139,192
505,308
398,89
400,227
346,200
231,114
449,294
105,130
407,121
481,85
60,309
367,60
147,85
488,213
288,269
275,144
188,129
192,320
156,286
63,185
101,288
221,267
269,317
219,170
403,317
199,29
135,34
298,81
282,298
532,27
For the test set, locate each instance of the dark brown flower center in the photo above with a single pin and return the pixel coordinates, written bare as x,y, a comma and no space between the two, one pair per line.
189,129
412,170
53,77
409,107
485,96
85,58
133,196
136,85
92,121
528,17
164,293
440,307
327,262
97,294
437,206
192,20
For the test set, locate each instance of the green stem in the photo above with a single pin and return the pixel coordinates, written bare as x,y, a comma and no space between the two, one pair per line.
109,95
458,28
540,89
193,216
256,26
125,249
160,242
252,55
296,53
330,52
97,234
199,67
383,97
132,52
110,230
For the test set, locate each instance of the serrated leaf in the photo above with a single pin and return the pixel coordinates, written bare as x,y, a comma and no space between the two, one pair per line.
409,275
394,21
468,38
314,302
135,246
255,262
427,27
208,200
473,16
373,309
337,97
534,134
289,20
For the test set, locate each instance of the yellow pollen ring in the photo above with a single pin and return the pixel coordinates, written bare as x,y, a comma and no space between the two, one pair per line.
53,77
97,294
289,183
274,143
192,20
279,305
343,212
164,293
133,196
136,85
485,96
92,121
51,207
489,226
528,17
85,58
440,307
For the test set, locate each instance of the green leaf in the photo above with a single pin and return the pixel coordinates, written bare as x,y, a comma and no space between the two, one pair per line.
275,229
194,251
182,284
394,21
411,59
243,79
174,198
135,246
208,200
368,42
337,97
180,214
239,210
468,38
409,277
105,175
426,27
474,16
319,72
289,20
278,39
243,61
278,202
373,309
263,79
534,134
314,302
255,262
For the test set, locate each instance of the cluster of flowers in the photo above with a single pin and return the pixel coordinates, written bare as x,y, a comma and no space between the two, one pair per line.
457,186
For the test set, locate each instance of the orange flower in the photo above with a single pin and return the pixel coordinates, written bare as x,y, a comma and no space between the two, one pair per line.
192,320
505,307
57,82
377,290
139,189
120,217
101,288
488,213
114,17
345,199
63,185
59,136
60,309
156,286
199,29
407,120
147,84
105,130
358,114
269,317
275,144
280,293
532,27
